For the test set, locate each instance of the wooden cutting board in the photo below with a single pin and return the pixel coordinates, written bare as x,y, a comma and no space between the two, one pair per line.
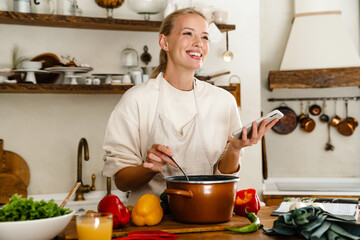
11,184
14,174
167,224
13,163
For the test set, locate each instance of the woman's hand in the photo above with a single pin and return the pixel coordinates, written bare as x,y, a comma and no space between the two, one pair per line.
256,135
157,157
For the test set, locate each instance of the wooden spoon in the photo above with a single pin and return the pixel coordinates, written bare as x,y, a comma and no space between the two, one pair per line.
77,185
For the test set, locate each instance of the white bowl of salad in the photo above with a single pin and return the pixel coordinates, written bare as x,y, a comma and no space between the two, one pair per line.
27,219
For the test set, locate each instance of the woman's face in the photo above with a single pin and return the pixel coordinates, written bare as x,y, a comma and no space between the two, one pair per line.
188,43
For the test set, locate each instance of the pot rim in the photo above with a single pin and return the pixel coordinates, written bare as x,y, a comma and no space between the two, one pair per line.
221,179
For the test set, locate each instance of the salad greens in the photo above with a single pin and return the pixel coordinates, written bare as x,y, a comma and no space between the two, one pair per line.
21,209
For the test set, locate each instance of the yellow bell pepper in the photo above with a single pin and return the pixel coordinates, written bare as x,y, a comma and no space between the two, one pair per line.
147,211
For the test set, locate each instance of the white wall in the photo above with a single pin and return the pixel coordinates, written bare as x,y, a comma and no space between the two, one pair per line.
45,128
301,154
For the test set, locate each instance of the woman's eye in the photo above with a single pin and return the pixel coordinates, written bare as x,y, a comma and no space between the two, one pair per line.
187,33
206,38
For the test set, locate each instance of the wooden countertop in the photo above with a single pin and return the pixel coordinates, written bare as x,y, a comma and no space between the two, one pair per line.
197,231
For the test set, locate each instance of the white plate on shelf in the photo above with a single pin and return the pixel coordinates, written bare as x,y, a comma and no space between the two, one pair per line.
69,69
105,74
29,70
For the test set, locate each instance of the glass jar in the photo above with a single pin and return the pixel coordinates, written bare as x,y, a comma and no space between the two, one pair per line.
147,7
129,57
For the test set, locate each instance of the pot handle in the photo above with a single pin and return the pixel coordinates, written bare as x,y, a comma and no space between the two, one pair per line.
185,193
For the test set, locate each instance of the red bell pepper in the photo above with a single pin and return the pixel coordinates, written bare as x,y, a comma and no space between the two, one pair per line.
112,204
247,198
149,235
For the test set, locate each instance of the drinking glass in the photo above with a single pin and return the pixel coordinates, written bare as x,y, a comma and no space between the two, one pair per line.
94,226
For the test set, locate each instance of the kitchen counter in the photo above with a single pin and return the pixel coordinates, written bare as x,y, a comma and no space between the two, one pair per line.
276,189
196,231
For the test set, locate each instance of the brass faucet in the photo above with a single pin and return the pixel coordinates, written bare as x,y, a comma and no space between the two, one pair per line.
108,186
83,188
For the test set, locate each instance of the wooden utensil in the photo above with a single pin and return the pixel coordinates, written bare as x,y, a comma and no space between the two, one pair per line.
264,156
237,92
169,225
77,185
329,146
206,78
48,60
11,184
12,163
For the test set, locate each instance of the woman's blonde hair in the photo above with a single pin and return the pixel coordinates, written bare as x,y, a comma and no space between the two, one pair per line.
165,28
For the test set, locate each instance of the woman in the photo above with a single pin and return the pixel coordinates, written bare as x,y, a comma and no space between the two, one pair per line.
175,115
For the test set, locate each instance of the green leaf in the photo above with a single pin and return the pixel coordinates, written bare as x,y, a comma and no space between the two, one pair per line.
21,209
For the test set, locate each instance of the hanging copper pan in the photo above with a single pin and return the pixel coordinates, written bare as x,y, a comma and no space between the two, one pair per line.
336,119
307,124
286,124
348,125
315,109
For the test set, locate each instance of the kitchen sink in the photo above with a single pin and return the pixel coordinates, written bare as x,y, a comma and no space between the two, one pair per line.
90,203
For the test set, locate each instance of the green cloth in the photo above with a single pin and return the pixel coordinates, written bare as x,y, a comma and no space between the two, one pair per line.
314,224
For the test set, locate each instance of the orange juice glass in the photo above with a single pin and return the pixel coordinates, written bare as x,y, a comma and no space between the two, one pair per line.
94,226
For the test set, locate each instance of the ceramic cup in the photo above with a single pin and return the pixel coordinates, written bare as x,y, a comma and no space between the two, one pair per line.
136,77
220,17
65,7
22,6
126,79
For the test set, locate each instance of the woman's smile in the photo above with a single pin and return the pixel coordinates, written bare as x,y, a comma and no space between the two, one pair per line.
194,54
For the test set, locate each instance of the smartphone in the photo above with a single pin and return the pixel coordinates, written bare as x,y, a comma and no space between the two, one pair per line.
269,117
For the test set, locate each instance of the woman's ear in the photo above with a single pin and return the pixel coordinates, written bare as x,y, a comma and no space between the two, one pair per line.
163,42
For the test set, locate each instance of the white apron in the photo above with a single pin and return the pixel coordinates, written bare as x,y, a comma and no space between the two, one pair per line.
189,148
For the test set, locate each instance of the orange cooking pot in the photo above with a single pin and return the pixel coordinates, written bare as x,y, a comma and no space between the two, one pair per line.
202,199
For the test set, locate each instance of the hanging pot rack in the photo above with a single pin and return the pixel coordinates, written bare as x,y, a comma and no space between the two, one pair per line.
315,99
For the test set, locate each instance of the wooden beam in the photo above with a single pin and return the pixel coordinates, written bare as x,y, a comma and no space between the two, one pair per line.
64,88
65,21
72,89
315,78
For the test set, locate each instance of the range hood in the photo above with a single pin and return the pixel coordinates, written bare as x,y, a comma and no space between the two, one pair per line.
319,53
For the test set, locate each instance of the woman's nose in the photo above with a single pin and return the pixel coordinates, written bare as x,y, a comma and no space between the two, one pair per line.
198,42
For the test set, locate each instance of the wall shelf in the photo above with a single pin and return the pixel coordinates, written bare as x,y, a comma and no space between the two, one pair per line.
315,78
72,89
65,21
